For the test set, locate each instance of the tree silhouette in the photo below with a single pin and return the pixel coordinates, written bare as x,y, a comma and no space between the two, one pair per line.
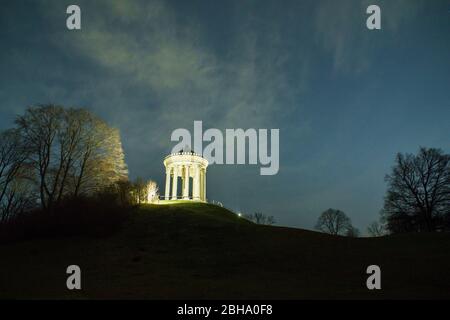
352,232
334,222
260,218
375,229
71,152
144,191
15,193
418,195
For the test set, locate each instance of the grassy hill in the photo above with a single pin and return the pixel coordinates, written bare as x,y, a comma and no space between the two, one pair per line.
193,250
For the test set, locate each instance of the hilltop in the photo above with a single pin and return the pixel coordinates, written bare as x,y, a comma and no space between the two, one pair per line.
194,250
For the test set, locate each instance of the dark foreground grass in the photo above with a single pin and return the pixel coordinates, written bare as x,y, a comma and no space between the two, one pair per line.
190,251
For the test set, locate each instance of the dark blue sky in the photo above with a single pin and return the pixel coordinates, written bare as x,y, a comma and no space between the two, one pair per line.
345,99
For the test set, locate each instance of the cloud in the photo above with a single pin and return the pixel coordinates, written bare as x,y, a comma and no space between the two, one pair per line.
341,30
145,43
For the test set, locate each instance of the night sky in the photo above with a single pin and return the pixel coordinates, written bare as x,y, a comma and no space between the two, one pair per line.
345,99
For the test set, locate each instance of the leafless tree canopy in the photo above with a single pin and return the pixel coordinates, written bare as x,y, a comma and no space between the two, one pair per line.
418,196
352,232
375,229
334,222
15,176
260,218
144,191
57,153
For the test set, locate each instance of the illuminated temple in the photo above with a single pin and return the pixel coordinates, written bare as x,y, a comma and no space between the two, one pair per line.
185,165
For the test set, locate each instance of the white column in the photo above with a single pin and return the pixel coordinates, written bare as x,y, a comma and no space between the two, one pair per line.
204,184
196,183
186,183
167,194
174,183
201,185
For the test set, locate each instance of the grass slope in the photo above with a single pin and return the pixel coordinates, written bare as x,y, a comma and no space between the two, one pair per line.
194,250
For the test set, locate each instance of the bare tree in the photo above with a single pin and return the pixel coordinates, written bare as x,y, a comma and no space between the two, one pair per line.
39,127
152,191
71,151
101,161
260,218
140,190
124,189
334,222
375,229
418,195
144,191
19,197
352,232
12,174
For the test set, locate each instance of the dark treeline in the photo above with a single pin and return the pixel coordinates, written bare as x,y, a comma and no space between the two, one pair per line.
260,218
417,198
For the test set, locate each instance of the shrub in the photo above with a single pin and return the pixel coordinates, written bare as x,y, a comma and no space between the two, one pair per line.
95,216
